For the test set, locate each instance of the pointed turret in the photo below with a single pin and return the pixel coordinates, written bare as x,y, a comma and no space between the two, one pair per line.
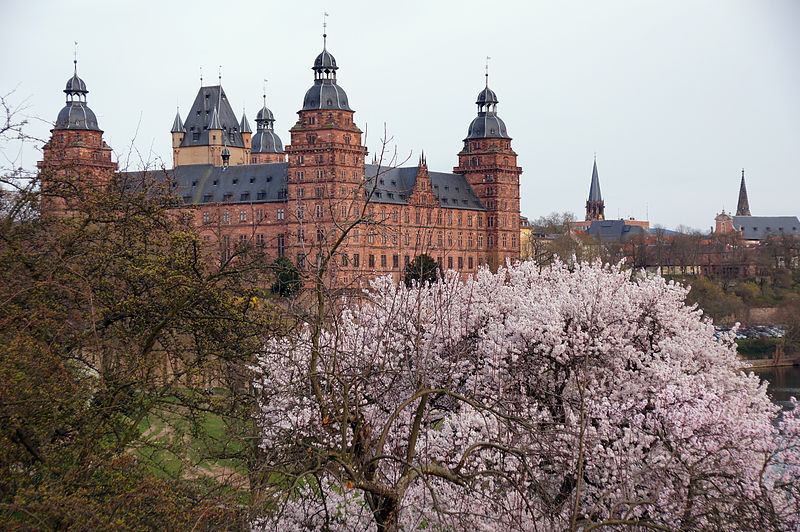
743,207
177,125
595,207
244,126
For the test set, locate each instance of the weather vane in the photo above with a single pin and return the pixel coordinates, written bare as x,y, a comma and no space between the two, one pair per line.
324,29
75,57
201,76
487,70
265,92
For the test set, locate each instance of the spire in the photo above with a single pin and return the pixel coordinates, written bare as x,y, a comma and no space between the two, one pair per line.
325,31
594,189
213,123
595,207
244,126
177,125
743,207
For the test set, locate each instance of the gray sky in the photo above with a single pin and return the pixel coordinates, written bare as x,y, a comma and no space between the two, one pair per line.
674,96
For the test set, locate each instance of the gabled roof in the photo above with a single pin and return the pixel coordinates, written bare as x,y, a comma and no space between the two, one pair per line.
761,227
395,186
199,117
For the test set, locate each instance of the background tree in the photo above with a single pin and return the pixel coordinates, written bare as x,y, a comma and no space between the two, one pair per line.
423,269
287,278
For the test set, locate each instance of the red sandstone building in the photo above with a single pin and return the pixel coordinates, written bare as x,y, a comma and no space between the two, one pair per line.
317,193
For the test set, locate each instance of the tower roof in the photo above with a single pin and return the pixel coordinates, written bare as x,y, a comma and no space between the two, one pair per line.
76,113
594,188
743,207
487,125
177,125
325,93
199,117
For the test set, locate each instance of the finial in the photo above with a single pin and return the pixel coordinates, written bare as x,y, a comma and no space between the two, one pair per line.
75,58
325,30
265,92
220,74
742,174
487,70
595,156
201,76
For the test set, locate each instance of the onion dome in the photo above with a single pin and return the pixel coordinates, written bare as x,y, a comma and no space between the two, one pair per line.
265,140
177,125
325,93
244,125
487,125
76,114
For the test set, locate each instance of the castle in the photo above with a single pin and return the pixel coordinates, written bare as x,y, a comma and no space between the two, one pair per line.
299,201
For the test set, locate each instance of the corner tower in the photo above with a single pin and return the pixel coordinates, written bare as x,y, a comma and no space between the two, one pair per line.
595,207
490,167
76,150
325,162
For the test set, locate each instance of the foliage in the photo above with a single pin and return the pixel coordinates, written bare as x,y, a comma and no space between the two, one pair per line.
715,302
423,269
552,399
287,278
113,312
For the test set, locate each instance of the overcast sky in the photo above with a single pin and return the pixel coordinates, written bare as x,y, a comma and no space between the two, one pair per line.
675,97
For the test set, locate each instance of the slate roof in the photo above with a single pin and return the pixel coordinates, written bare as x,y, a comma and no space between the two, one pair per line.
395,185
76,113
614,230
200,184
594,189
743,206
200,115
761,227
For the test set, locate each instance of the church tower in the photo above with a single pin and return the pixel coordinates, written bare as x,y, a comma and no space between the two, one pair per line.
743,207
595,207
490,167
76,151
325,166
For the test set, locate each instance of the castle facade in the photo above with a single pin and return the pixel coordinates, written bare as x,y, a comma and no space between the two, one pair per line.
318,194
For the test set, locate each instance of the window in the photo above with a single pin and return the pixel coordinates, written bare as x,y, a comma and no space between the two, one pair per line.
394,239
449,240
469,220
301,211
460,241
406,260
226,217
449,218
469,263
460,263
319,191
383,261
301,260
320,235
344,259
394,216
513,241
438,218
439,240
480,241
469,240
428,218
242,216
395,261
355,260
419,217
505,240
459,219
355,235
279,215
406,217
260,240
406,240
344,211
449,263
371,261
281,245
319,211
259,214
371,238
206,217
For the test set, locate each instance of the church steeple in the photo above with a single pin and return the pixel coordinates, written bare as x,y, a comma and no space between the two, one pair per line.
743,207
595,207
